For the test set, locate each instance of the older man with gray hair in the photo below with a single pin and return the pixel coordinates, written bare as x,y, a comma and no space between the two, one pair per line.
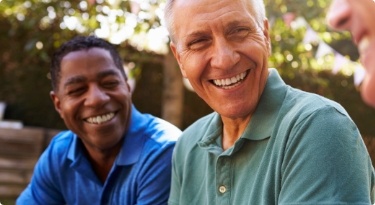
266,142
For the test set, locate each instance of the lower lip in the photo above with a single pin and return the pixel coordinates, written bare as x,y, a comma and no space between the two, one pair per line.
239,83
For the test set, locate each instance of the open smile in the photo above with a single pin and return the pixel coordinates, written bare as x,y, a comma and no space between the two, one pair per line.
228,83
100,119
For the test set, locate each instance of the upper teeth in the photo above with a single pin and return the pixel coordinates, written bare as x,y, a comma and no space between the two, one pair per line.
100,119
230,81
363,44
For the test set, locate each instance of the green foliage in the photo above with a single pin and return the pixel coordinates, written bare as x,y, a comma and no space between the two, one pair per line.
298,66
32,29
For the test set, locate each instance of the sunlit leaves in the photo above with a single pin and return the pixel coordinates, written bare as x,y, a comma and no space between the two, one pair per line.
289,50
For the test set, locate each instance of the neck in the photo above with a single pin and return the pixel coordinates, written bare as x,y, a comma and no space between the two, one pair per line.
232,130
102,161
102,167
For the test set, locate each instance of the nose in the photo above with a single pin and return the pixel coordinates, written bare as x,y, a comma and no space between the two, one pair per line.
224,55
96,97
339,15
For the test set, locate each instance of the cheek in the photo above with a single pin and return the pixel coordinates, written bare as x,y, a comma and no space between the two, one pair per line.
193,64
68,109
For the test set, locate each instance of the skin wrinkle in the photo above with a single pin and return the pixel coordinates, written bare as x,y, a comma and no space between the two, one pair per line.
253,6
218,42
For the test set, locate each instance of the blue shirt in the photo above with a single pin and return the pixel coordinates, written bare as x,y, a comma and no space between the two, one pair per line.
140,174
298,149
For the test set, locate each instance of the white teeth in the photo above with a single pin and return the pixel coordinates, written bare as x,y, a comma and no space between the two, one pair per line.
363,44
230,82
100,119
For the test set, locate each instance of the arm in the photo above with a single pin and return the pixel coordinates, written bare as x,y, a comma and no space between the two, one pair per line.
326,162
42,189
154,186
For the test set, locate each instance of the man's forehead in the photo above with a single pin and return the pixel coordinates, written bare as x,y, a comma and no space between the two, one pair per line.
86,52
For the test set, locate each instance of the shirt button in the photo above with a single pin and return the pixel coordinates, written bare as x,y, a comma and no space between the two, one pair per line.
222,189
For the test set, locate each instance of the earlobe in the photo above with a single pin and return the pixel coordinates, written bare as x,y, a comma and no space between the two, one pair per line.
56,102
177,56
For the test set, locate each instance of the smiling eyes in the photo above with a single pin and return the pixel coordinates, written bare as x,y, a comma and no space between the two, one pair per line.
80,88
201,41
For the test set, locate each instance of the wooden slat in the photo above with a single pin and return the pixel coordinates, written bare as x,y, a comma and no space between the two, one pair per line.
10,191
19,151
7,163
15,177
26,142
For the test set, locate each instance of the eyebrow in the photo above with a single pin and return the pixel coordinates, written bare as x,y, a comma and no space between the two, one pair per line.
196,34
229,26
74,80
80,79
236,23
106,73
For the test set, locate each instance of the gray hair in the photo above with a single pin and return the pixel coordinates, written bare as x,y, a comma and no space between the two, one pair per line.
256,6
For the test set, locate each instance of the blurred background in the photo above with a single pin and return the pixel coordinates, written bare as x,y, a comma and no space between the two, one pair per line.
306,52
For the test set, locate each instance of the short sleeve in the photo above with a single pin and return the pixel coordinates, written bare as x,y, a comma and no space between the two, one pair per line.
326,162
42,188
155,180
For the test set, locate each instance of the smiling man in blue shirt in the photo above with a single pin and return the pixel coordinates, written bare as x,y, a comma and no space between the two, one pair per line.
112,154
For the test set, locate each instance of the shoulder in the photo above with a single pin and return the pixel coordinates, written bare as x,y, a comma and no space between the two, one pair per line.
167,130
302,105
159,132
312,118
58,147
62,140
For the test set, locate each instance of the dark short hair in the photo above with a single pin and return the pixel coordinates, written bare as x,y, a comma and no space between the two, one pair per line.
77,44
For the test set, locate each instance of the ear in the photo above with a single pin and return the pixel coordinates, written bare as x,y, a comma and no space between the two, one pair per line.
267,35
178,58
130,87
56,102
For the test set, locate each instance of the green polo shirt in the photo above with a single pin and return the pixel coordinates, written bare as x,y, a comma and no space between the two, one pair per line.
299,148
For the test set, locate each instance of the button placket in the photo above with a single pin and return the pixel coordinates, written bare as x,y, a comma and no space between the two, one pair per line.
223,180
223,176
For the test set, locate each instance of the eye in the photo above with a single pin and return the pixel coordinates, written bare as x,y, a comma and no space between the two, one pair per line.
240,32
76,91
198,43
110,83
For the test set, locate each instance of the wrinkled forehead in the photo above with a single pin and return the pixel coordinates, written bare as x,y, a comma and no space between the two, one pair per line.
197,14
209,5
195,10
